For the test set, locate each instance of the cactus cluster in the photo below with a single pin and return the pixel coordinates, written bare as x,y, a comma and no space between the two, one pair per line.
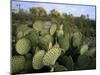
55,48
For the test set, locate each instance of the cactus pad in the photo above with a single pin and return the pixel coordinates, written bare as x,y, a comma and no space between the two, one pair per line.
23,46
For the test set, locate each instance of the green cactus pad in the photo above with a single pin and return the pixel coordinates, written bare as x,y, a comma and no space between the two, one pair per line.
17,64
23,46
58,68
77,39
45,40
53,29
51,56
67,61
20,34
33,37
64,42
23,28
37,60
91,52
83,61
38,25
44,32
60,32
84,49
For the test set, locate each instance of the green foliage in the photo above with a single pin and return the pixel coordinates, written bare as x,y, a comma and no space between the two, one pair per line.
51,56
53,29
20,34
28,64
45,40
84,49
52,42
64,42
54,13
83,62
91,52
44,32
77,39
60,32
37,59
38,11
58,68
67,61
17,64
38,25
23,46
22,30
33,37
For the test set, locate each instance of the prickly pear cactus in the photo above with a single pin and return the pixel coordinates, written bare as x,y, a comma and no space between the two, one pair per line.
37,61
83,62
53,29
64,42
51,43
60,32
38,25
67,61
84,49
23,46
20,34
91,52
58,68
44,32
44,41
51,56
67,27
23,29
17,64
77,39
33,37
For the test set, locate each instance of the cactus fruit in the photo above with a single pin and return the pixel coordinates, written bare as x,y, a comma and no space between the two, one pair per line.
77,39
17,64
37,60
84,49
53,29
38,25
51,56
23,46
64,42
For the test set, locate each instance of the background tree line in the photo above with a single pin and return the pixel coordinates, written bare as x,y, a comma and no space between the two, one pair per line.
82,23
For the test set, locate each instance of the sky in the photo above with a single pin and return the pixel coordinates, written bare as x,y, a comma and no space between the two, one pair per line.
76,10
